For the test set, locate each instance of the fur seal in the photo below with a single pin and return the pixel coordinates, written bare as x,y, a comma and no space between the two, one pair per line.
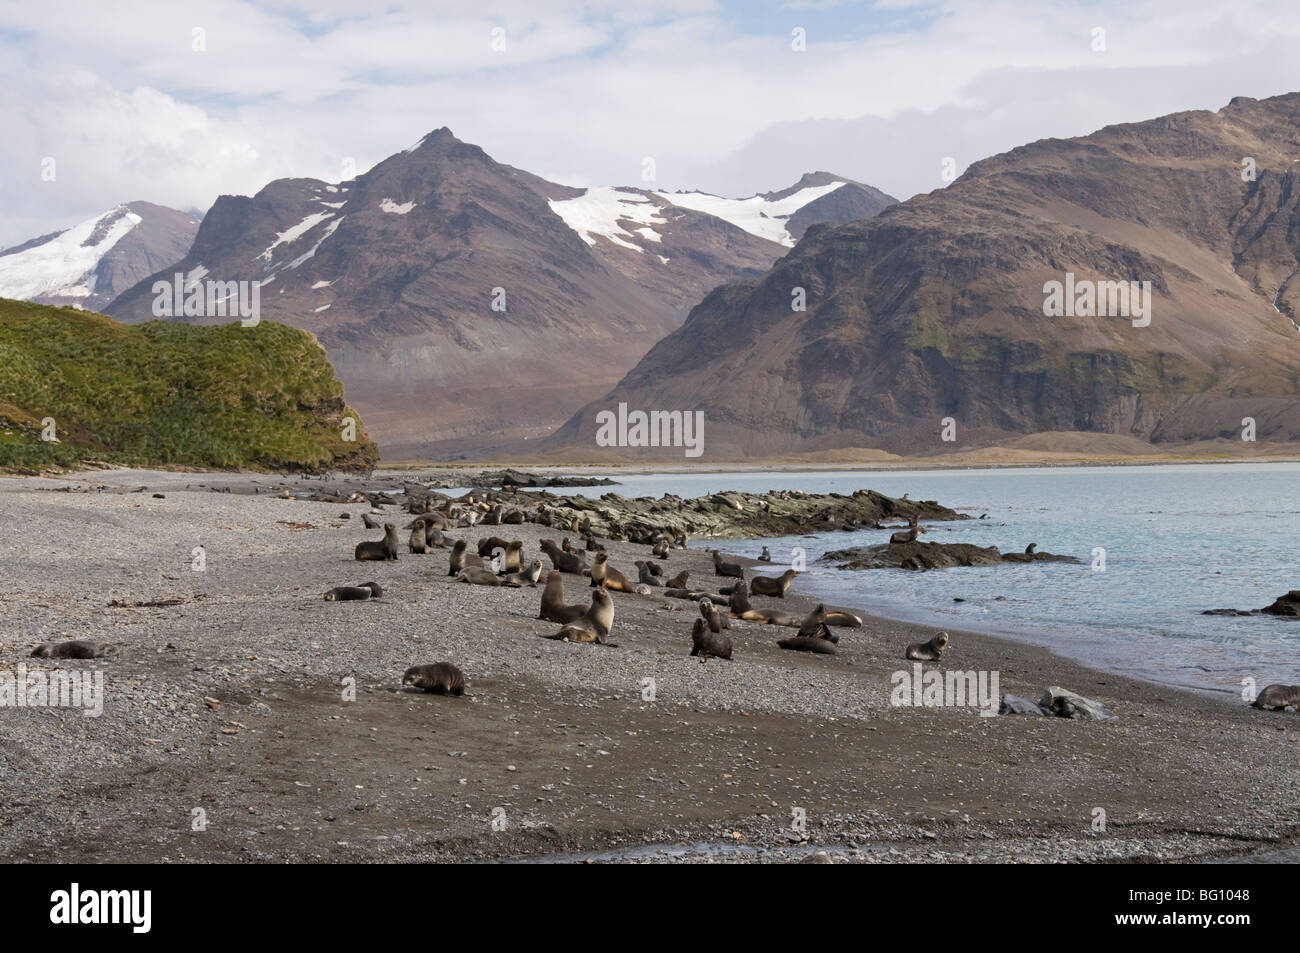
73,648
841,618
441,678
434,519
716,620
513,518
461,559
435,538
765,556
594,624
564,562
525,577
553,606
931,651
707,643
369,521
605,575
367,590
772,585
801,643
594,545
908,535
385,548
721,568
478,576
678,581
738,604
1278,696
418,542
514,557
486,547
1029,550
646,575
660,550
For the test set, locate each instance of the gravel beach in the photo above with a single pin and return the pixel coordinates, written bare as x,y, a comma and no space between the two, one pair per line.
228,733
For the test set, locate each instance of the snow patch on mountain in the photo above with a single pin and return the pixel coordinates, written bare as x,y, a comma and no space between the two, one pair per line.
600,211
65,265
757,214
388,205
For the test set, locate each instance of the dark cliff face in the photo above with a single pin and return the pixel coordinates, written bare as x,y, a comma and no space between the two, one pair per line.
935,308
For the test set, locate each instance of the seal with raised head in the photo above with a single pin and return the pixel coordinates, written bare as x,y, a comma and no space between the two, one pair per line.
603,574
369,521
765,556
524,577
802,643
594,545
486,547
646,575
478,576
931,651
715,619
554,608
845,619
594,625
366,590
907,536
1278,696
660,550
708,643
775,586
721,568
385,548
441,678
564,562
435,539
461,559
73,648
514,556
678,581
419,540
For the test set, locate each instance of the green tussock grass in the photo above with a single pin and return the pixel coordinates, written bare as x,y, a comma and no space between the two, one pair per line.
168,394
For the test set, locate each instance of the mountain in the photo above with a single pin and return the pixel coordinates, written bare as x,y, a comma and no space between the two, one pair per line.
937,307
166,393
467,304
90,264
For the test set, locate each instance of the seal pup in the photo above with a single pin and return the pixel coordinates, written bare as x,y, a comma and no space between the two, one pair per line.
418,542
476,575
369,521
564,562
553,606
605,575
594,624
525,577
908,535
931,651
678,581
435,538
441,678
715,619
385,548
646,575
801,643
1278,696
765,556
660,550
461,559
73,648
721,568
366,590
708,643
772,585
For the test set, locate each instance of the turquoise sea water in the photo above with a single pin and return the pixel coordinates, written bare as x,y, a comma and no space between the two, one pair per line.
1178,539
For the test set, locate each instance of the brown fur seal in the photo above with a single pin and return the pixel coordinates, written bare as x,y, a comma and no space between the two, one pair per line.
738,604
814,623
707,643
605,575
385,548
721,568
553,606
716,620
369,521
486,547
513,517
1278,696
367,590
418,542
845,619
73,648
525,577
435,519
515,556
435,539
594,546
461,559
564,562
660,550
646,575
772,585
931,651
594,625
678,581
765,556
801,643
478,576
1029,550
908,535
442,678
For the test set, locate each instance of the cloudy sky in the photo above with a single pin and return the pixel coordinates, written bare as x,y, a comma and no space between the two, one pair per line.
178,102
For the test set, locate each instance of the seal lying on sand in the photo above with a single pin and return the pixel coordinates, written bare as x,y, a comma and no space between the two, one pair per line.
738,603
73,648
553,606
931,651
385,548
441,678
772,585
801,643
594,625
1278,696
721,568
367,590
524,577
709,644
478,576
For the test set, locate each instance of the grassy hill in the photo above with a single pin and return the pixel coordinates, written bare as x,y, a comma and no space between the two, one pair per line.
165,393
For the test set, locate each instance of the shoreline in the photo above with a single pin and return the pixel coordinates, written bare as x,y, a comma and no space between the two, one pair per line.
556,735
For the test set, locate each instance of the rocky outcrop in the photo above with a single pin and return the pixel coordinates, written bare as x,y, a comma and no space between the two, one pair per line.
1287,606
918,555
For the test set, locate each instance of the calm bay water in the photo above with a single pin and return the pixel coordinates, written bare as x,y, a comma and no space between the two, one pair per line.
1178,539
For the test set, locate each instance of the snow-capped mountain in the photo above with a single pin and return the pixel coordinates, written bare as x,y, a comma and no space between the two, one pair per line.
90,264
